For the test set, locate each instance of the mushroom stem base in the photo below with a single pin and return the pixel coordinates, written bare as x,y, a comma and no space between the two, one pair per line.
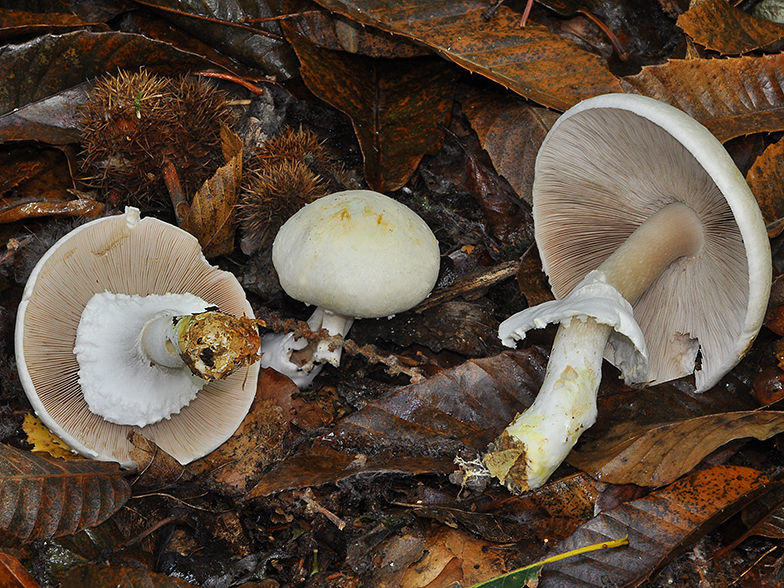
539,439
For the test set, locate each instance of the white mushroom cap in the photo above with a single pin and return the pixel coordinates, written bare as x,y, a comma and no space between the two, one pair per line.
605,167
357,253
125,255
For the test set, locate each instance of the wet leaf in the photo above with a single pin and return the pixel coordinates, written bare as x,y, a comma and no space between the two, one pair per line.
731,97
659,527
531,60
511,130
99,576
765,178
15,23
82,207
50,120
397,108
659,454
719,26
44,497
13,574
226,25
418,428
211,217
50,64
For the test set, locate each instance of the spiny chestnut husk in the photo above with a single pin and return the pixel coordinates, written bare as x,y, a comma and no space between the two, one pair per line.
286,173
135,124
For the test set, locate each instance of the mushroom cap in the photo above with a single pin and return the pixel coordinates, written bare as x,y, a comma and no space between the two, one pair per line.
357,253
608,164
125,255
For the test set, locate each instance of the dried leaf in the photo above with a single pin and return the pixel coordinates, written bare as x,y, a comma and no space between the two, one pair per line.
44,441
511,130
765,178
51,120
398,108
530,60
659,526
13,574
81,207
719,26
731,97
211,217
16,22
49,64
98,576
45,497
659,454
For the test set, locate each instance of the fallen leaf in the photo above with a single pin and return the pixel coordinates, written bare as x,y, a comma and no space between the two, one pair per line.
659,454
100,576
511,130
731,97
765,178
398,108
44,497
719,26
211,217
529,60
13,574
44,441
81,207
659,526
50,120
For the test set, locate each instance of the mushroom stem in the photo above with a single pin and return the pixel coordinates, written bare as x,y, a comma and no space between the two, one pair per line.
539,439
160,340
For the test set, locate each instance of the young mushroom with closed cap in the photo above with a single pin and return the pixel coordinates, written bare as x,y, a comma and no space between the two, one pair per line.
118,330
352,254
657,252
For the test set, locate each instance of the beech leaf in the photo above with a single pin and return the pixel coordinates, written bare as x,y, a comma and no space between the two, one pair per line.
211,217
44,497
530,60
659,454
398,108
13,574
719,26
659,526
731,97
765,178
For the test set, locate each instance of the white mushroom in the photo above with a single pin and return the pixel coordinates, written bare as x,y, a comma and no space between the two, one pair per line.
657,251
117,332
352,254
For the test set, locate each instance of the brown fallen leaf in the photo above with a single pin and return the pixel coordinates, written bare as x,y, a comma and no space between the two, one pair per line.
531,61
13,574
719,26
659,526
211,217
100,576
731,97
398,108
511,130
659,454
765,178
81,207
45,497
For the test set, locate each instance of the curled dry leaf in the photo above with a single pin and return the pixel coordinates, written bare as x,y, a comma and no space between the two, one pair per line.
45,497
659,454
659,527
719,26
530,60
731,97
211,217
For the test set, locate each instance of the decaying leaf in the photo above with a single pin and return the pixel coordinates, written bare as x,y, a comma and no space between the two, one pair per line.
720,26
44,441
13,574
44,497
530,60
659,454
765,178
731,97
211,217
397,108
659,526
100,576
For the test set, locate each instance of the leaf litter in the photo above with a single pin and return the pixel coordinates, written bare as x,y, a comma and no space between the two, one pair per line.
348,483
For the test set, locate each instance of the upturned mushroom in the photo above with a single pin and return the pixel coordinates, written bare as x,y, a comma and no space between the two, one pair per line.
118,330
657,252
352,254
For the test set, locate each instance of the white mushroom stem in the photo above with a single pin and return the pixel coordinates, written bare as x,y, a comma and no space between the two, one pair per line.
539,439
300,360
160,340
